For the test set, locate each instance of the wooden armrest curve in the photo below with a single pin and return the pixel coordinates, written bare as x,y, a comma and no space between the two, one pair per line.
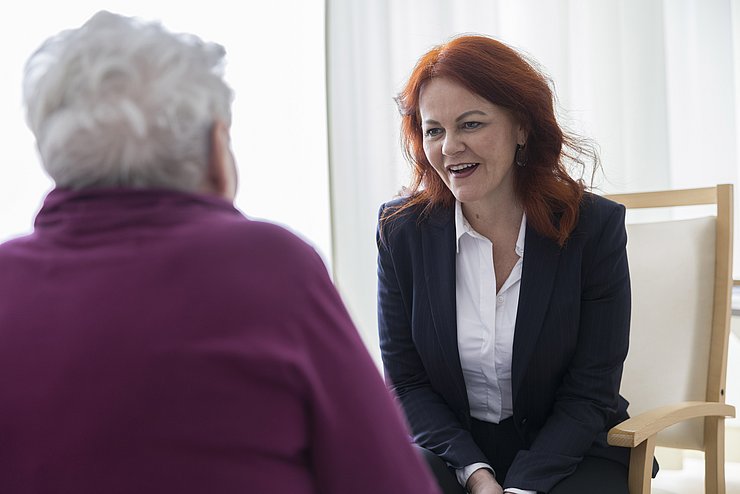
635,430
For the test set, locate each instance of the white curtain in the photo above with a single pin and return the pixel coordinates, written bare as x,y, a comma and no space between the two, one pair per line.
655,83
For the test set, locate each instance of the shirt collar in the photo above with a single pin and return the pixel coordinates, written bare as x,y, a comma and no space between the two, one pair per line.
462,227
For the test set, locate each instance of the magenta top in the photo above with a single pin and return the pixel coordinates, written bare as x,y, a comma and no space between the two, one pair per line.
160,342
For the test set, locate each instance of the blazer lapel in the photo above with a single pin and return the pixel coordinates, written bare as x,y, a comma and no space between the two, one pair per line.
438,254
541,257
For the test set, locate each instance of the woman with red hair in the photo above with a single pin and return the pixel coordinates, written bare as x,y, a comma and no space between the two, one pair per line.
503,286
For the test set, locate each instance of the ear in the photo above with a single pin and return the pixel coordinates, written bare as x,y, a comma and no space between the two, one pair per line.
221,179
521,135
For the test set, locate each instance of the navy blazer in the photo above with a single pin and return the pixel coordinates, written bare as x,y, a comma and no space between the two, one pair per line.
570,340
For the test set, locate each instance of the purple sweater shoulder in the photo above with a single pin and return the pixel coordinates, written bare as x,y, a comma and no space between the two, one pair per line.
157,341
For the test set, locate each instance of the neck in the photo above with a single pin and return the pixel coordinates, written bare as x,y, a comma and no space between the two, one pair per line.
491,216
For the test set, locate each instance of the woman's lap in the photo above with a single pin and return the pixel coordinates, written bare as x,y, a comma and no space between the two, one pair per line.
593,475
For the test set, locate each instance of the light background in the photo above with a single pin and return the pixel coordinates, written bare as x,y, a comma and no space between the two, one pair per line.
275,64
655,82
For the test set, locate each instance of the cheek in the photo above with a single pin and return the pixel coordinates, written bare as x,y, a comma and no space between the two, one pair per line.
438,168
434,157
431,152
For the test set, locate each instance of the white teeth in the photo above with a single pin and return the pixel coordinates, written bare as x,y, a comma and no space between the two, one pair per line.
462,166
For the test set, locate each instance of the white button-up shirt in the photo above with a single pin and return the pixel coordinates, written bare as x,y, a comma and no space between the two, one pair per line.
485,326
485,321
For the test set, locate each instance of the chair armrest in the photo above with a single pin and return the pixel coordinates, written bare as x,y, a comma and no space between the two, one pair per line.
635,430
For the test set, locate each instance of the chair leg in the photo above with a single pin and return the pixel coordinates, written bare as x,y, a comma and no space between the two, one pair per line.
714,454
641,466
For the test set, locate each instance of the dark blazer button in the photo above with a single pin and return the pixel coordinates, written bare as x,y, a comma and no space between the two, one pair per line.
523,422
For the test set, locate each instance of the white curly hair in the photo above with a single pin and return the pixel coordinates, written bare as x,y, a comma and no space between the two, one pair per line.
120,102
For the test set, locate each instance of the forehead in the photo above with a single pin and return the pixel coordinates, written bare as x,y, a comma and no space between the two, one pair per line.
441,98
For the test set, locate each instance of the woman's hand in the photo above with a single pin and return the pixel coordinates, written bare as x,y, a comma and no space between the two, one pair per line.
483,482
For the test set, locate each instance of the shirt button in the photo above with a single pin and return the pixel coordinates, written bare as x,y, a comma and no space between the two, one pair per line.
500,300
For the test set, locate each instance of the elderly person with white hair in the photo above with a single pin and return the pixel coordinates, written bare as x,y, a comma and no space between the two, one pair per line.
152,338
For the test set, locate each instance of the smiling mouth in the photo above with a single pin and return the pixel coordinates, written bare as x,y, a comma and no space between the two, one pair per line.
462,170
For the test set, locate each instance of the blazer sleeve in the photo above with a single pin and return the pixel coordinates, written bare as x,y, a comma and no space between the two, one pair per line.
588,396
433,423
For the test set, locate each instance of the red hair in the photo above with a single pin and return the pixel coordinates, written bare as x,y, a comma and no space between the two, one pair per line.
499,74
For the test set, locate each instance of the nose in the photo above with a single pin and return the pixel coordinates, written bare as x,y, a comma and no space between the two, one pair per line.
452,144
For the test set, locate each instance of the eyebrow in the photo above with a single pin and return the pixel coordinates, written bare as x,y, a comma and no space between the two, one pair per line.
461,117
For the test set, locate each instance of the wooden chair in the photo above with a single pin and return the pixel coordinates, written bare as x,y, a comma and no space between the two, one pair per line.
674,376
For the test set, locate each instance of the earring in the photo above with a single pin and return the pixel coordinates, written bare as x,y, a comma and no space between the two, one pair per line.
519,156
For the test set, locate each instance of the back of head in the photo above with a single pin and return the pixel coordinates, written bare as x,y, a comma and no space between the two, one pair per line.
123,103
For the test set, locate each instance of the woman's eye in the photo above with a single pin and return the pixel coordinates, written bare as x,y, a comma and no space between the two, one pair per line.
432,132
471,125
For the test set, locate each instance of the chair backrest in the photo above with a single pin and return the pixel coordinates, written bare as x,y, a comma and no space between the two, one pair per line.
681,273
